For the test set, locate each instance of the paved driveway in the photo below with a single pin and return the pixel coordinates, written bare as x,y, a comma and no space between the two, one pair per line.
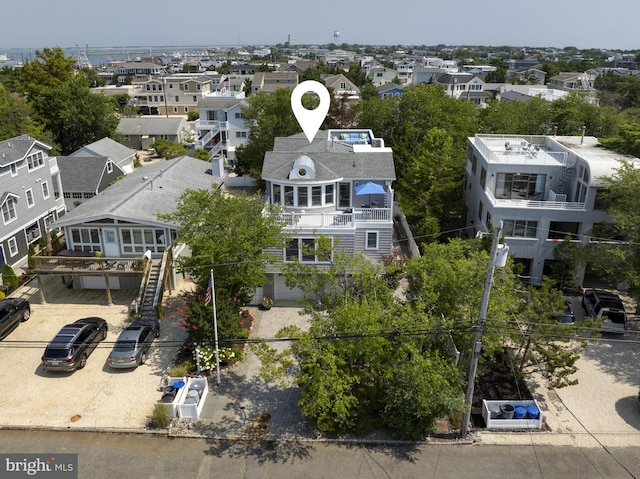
93,397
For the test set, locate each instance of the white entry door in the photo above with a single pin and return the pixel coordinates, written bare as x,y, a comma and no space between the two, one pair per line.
110,240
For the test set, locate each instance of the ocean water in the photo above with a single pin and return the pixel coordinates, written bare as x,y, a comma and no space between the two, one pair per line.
99,56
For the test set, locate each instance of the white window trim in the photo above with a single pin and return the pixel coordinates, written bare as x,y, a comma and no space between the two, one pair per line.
13,247
366,240
30,199
15,210
46,194
14,169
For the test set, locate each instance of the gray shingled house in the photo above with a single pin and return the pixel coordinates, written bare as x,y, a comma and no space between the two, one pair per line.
116,152
122,222
30,195
83,177
139,133
339,185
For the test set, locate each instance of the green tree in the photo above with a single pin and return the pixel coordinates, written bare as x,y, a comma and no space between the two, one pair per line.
169,149
573,112
429,181
76,116
427,121
15,117
363,353
9,277
201,154
542,339
378,114
627,141
624,209
227,233
532,117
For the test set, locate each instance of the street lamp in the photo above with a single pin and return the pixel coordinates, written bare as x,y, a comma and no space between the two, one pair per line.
498,257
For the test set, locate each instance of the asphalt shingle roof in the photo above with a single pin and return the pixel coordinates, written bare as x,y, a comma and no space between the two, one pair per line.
15,149
150,126
106,147
141,195
82,173
332,160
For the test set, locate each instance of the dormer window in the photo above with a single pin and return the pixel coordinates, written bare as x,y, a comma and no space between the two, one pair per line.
303,168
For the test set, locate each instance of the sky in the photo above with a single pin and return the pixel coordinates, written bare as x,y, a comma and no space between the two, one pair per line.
36,24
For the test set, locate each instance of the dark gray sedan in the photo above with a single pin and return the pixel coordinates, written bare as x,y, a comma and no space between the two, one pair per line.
132,345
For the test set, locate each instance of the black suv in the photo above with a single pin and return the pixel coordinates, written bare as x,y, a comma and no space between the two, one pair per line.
607,307
13,311
74,343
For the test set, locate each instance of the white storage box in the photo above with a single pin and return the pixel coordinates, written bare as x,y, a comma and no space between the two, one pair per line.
192,402
516,414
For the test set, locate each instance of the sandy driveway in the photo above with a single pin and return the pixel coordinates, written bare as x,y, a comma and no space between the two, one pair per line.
94,397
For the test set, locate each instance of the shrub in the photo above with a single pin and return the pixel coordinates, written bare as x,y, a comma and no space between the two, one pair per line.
55,242
30,255
183,368
9,277
226,355
2,295
160,418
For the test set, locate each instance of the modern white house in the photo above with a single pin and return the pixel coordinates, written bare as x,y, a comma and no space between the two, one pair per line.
339,186
541,188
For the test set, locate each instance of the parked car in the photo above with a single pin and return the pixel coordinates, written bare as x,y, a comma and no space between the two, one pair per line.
567,316
13,311
605,306
132,345
75,342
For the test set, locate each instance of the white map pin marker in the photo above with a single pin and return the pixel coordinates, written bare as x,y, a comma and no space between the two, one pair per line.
310,120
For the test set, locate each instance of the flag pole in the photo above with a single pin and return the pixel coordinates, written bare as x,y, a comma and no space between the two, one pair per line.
215,327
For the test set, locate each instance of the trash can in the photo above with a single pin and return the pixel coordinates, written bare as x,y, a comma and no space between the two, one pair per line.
506,411
494,411
533,412
519,412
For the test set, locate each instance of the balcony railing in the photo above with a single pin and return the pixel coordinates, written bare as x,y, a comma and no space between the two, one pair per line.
336,219
86,265
537,204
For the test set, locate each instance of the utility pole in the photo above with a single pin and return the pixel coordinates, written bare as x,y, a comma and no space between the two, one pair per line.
477,342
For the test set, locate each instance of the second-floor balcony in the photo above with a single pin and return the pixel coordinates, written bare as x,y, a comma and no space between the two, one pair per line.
337,219
553,202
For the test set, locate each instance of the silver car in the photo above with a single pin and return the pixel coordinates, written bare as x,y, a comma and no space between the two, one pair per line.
132,345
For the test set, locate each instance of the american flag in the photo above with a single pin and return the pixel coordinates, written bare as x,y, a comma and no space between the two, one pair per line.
208,294
224,83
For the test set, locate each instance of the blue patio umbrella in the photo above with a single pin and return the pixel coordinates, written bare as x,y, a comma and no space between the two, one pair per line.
369,188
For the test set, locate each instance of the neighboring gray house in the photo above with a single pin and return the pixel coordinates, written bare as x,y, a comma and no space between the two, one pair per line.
83,177
541,187
121,222
139,133
30,195
119,154
317,184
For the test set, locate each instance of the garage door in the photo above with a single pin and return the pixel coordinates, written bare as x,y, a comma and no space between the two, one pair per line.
282,292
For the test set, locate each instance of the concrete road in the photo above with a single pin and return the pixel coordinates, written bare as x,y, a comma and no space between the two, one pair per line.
153,456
